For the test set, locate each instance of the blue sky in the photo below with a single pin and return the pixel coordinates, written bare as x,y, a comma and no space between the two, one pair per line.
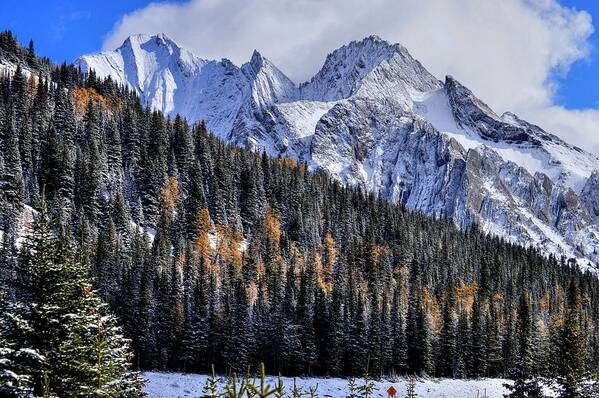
580,88
64,29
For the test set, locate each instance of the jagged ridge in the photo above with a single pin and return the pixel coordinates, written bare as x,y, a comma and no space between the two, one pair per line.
374,116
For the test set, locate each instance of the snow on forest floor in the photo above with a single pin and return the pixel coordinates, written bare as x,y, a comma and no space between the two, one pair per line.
181,385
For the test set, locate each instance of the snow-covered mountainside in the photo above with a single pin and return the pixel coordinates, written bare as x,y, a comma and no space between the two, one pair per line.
173,80
374,116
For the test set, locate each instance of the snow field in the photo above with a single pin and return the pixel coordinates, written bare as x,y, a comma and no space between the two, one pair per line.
182,385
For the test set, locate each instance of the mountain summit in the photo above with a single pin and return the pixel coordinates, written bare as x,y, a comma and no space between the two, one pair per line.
374,116
367,67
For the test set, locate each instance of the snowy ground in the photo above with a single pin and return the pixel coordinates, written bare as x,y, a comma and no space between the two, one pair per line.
179,385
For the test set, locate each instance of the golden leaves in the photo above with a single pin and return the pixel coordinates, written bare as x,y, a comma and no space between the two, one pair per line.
465,293
289,162
432,309
328,268
32,83
171,194
204,222
272,225
82,96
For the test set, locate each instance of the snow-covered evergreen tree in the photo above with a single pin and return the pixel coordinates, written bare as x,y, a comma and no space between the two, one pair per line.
60,322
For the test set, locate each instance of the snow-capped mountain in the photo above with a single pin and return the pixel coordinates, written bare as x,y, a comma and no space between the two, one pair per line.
173,80
374,116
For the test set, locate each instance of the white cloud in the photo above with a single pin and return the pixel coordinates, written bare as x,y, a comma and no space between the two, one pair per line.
505,51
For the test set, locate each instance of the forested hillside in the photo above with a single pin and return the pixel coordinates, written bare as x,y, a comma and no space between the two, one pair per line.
212,254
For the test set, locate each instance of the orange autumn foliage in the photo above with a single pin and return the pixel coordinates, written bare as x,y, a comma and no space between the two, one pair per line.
403,275
179,310
328,267
236,253
497,297
544,302
433,309
289,162
204,222
260,269
272,225
465,293
252,293
82,96
379,252
318,267
32,83
202,245
302,169
171,195
228,243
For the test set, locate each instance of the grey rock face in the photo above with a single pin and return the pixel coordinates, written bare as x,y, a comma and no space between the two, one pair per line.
590,194
469,111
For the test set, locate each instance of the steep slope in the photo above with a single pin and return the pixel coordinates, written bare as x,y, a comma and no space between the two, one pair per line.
374,116
265,85
173,80
368,68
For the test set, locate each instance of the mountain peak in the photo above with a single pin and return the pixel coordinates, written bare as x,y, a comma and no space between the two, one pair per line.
346,69
268,84
374,39
373,45
257,60
163,39
140,39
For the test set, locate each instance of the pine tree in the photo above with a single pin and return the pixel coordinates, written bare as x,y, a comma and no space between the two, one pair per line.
306,308
413,321
291,349
478,341
462,359
525,324
82,349
569,365
494,358
420,350
12,178
425,341
399,345
524,385
63,120
31,58
114,160
18,360
447,349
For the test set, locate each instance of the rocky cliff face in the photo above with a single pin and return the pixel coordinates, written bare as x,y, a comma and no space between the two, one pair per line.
373,116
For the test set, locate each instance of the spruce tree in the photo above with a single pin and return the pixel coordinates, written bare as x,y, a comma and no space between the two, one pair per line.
12,178
570,358
478,364
83,351
19,361
447,339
